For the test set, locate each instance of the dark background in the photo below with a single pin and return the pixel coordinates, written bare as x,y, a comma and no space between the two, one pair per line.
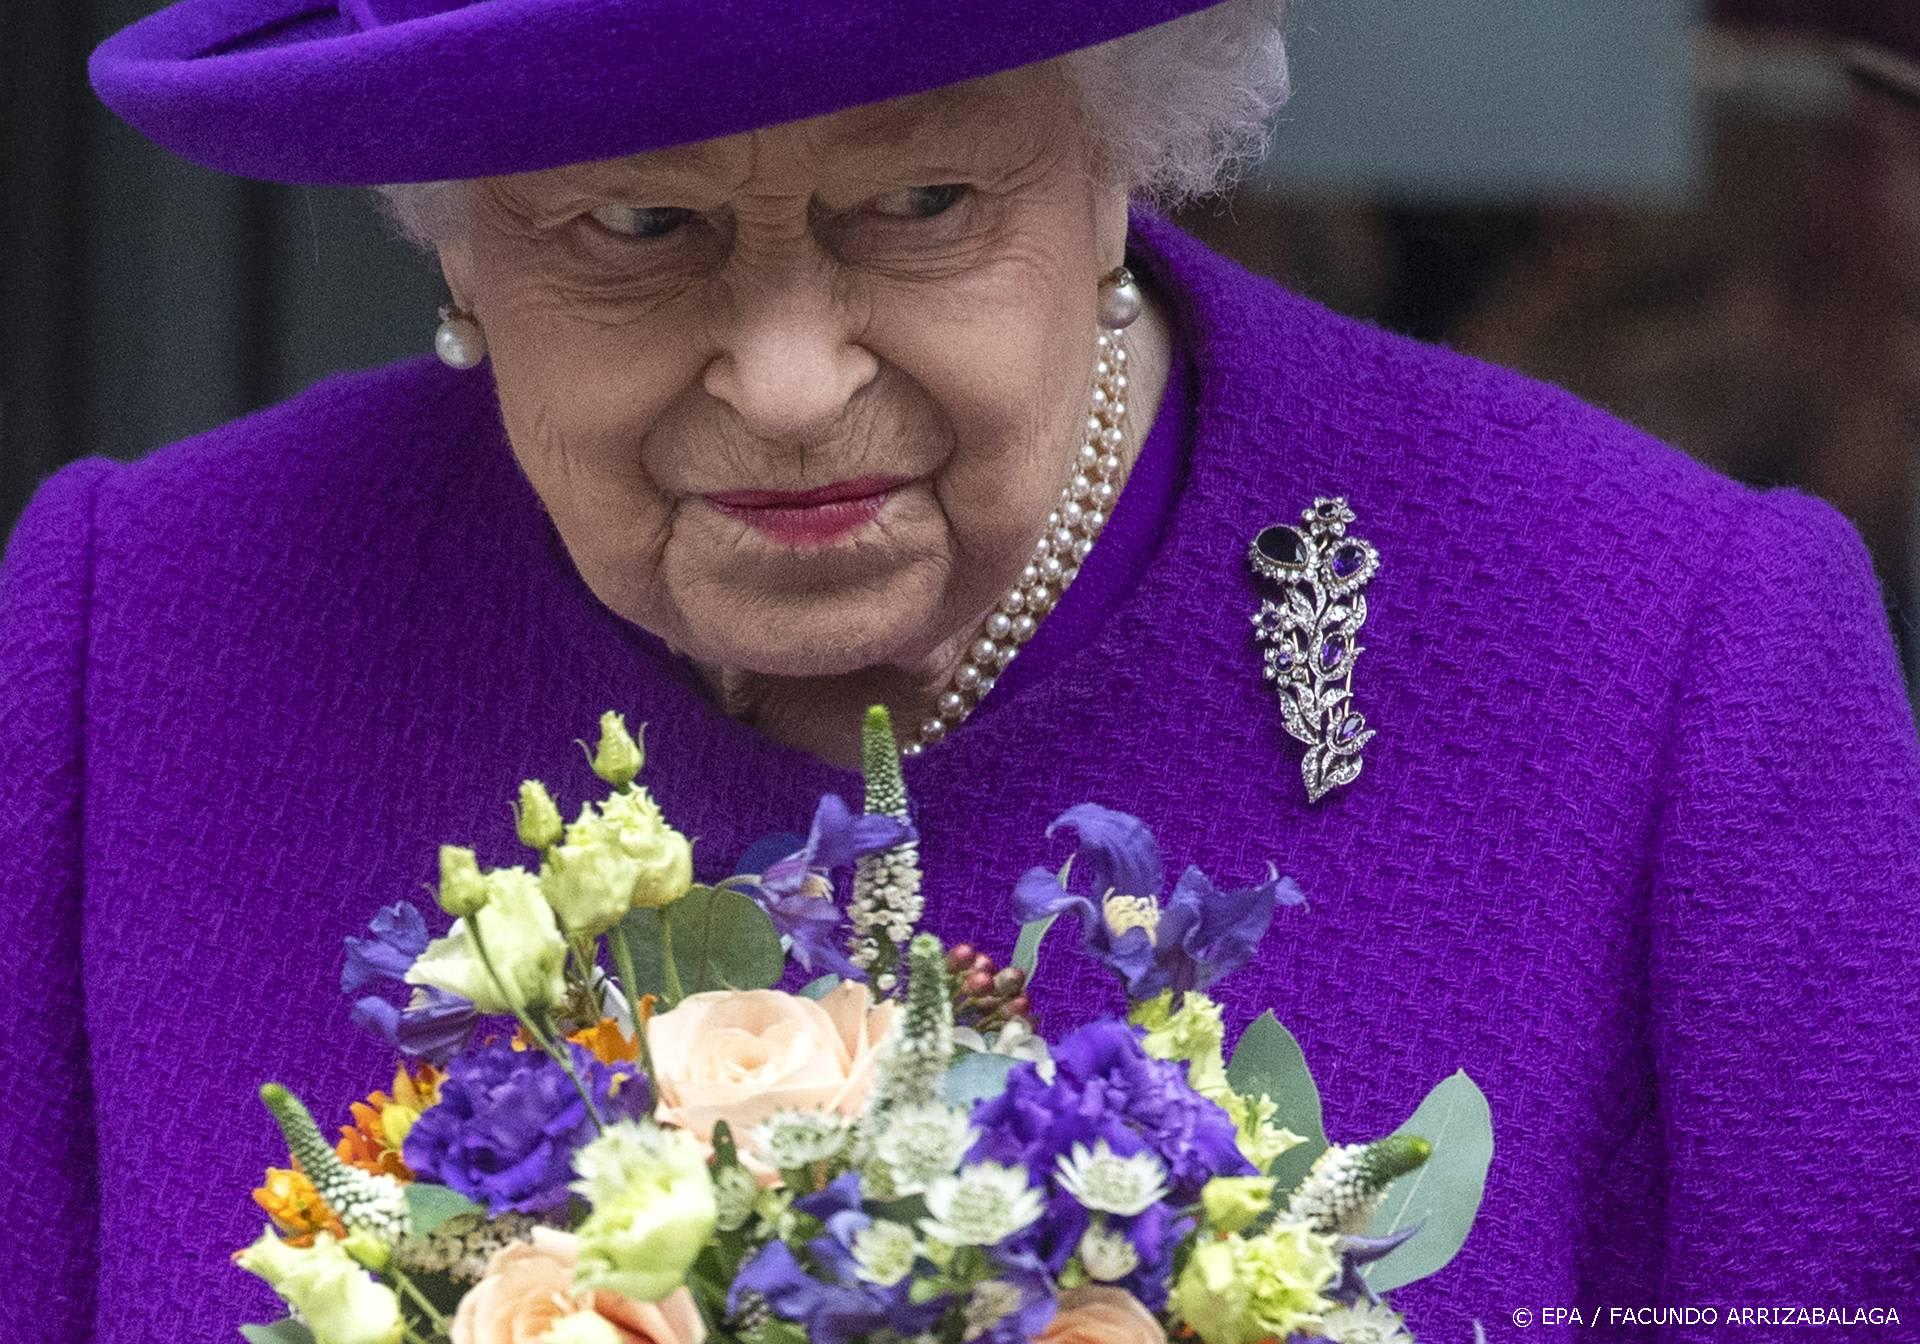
1683,210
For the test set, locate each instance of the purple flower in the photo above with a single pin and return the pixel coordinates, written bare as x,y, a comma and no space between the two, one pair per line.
1202,934
435,1024
797,891
824,1291
1107,1087
508,1122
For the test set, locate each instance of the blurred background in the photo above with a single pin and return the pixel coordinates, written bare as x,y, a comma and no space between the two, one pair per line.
1703,215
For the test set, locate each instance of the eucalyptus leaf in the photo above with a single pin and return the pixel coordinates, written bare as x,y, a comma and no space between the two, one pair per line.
1443,1194
1026,952
288,1331
819,989
431,1205
977,1076
1268,1059
722,939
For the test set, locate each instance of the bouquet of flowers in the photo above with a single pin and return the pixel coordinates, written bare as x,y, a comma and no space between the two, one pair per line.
608,1125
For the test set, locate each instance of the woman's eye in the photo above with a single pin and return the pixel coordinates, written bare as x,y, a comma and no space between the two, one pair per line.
918,202
639,221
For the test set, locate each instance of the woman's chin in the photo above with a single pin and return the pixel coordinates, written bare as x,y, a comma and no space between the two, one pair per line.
824,635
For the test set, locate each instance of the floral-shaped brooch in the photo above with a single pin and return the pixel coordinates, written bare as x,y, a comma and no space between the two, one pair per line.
1310,636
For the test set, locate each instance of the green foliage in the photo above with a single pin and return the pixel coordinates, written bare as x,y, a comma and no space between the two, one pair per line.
976,1076
819,989
432,1205
1269,1060
1442,1194
1026,952
721,939
288,1331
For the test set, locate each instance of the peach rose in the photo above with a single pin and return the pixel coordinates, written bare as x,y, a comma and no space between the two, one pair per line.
1100,1316
528,1287
744,1056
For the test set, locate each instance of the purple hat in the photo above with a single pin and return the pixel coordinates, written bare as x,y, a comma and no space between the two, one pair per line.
373,91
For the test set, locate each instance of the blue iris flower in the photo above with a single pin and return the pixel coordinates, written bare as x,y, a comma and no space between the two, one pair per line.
1113,886
434,1025
797,891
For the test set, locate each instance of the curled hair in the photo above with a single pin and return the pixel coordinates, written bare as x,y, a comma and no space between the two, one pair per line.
1174,112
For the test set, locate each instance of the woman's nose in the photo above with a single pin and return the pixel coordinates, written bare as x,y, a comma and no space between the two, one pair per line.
789,361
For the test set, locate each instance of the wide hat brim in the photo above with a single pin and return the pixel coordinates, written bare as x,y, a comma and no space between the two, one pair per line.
290,91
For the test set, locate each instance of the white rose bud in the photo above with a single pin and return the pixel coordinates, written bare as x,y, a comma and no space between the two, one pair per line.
619,757
463,890
537,820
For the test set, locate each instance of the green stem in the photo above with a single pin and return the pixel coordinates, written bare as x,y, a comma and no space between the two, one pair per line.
545,1042
406,1285
623,963
669,973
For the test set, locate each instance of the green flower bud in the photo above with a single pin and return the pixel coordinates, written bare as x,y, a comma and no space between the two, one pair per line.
619,757
1241,1290
1233,1203
653,1209
368,1251
521,939
536,820
462,890
333,1295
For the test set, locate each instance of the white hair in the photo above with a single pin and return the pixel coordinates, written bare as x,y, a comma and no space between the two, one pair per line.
1174,112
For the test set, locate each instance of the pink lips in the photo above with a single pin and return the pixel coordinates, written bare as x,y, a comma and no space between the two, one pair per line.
808,517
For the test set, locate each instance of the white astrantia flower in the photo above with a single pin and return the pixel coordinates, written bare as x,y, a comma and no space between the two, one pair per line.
884,1253
989,1304
1106,1253
920,1144
981,1206
795,1139
1364,1323
1102,1180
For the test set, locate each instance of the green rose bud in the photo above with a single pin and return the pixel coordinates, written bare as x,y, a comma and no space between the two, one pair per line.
536,820
517,928
589,881
652,1213
332,1293
1241,1291
1232,1203
1195,1036
462,889
619,757
633,822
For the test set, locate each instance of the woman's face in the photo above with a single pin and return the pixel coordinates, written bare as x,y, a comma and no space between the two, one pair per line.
799,400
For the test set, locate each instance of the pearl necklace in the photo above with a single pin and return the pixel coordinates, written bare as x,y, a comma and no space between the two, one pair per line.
1100,469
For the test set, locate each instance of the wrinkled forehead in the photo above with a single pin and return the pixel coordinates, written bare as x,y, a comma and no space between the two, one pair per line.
956,129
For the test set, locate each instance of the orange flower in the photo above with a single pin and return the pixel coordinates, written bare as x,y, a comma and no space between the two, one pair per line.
296,1207
381,1122
607,1043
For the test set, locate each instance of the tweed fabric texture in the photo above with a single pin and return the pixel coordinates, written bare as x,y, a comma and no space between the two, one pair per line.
1638,845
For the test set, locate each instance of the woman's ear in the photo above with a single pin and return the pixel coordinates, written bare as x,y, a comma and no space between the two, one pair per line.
456,267
1110,224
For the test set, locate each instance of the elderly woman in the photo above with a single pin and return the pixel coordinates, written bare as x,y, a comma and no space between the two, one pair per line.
806,356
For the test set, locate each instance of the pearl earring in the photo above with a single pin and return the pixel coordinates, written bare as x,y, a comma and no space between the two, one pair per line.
459,341
1120,301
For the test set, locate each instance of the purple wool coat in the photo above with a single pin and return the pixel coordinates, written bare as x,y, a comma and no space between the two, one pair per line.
1637,846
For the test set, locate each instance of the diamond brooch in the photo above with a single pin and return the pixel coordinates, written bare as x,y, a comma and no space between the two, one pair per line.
1309,634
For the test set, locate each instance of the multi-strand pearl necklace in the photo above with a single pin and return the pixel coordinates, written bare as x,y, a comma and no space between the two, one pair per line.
1086,503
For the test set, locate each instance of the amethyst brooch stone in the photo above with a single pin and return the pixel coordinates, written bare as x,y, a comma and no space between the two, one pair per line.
1309,632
